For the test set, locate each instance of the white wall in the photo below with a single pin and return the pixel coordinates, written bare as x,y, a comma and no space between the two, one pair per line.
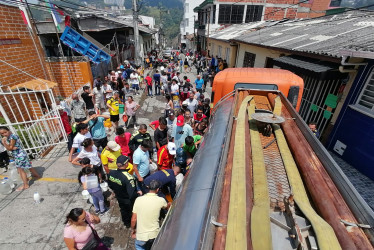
187,24
261,54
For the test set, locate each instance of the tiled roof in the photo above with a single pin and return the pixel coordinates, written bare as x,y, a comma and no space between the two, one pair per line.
324,36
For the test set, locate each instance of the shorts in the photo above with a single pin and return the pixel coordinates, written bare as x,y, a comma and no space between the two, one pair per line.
185,66
100,105
79,119
114,118
135,86
101,142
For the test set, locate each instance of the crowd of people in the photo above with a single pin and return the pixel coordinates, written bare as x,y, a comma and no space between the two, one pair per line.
142,171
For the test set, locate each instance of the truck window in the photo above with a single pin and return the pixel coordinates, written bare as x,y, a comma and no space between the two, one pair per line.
255,86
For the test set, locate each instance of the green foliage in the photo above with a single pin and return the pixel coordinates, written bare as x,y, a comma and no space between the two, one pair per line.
169,19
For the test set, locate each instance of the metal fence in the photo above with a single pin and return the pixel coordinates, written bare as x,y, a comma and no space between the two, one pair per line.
29,114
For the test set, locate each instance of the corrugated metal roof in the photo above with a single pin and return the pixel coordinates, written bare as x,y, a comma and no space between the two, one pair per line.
324,36
236,30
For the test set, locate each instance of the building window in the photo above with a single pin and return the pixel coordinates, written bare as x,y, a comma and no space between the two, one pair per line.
186,8
214,14
230,14
366,99
219,51
335,3
249,60
227,56
254,13
186,22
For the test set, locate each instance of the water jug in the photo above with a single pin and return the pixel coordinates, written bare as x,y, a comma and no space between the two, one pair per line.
12,165
11,184
14,176
85,194
92,181
5,187
37,197
104,186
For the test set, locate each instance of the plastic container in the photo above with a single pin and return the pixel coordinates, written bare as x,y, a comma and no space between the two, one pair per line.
37,197
11,183
85,194
107,123
121,108
5,187
92,181
14,176
12,165
104,186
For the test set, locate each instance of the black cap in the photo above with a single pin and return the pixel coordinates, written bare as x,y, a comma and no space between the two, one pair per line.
171,112
122,159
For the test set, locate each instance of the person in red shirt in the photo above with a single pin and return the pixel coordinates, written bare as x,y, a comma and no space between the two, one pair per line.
66,124
154,125
123,139
149,83
199,115
165,156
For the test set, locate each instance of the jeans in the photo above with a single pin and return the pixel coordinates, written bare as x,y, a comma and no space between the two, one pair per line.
70,140
98,200
149,88
144,245
125,206
157,88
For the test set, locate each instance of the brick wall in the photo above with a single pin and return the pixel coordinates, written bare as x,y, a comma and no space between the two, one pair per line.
80,74
23,55
20,48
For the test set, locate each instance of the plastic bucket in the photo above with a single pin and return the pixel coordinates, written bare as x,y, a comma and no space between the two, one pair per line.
104,186
85,194
121,108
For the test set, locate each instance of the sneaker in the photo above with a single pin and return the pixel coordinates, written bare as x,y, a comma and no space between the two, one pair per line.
104,212
97,211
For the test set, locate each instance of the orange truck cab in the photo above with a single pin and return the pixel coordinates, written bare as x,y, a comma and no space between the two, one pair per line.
288,83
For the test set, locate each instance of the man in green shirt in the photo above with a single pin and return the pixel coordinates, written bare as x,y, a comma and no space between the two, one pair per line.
191,145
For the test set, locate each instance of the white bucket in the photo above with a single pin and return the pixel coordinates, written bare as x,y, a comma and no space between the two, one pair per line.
104,186
85,194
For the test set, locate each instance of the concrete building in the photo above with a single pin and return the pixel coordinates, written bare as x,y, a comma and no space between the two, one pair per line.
187,26
213,14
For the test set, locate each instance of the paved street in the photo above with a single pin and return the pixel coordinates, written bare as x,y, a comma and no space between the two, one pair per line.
40,226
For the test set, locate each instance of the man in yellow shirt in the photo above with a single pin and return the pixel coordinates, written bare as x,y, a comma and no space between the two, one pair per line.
109,156
113,105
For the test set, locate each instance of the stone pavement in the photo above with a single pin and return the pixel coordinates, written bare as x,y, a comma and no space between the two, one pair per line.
363,184
26,225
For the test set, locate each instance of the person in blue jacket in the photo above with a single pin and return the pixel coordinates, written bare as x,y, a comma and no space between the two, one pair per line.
167,180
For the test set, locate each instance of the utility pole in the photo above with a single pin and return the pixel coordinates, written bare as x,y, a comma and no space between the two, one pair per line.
136,32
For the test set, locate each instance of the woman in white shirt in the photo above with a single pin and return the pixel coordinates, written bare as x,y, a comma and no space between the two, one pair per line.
90,151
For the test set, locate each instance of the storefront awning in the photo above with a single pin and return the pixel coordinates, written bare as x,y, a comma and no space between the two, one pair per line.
36,84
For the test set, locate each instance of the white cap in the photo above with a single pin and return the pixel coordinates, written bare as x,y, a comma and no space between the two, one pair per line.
113,146
172,148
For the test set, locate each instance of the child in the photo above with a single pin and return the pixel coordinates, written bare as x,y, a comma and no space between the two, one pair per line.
191,145
95,192
123,140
